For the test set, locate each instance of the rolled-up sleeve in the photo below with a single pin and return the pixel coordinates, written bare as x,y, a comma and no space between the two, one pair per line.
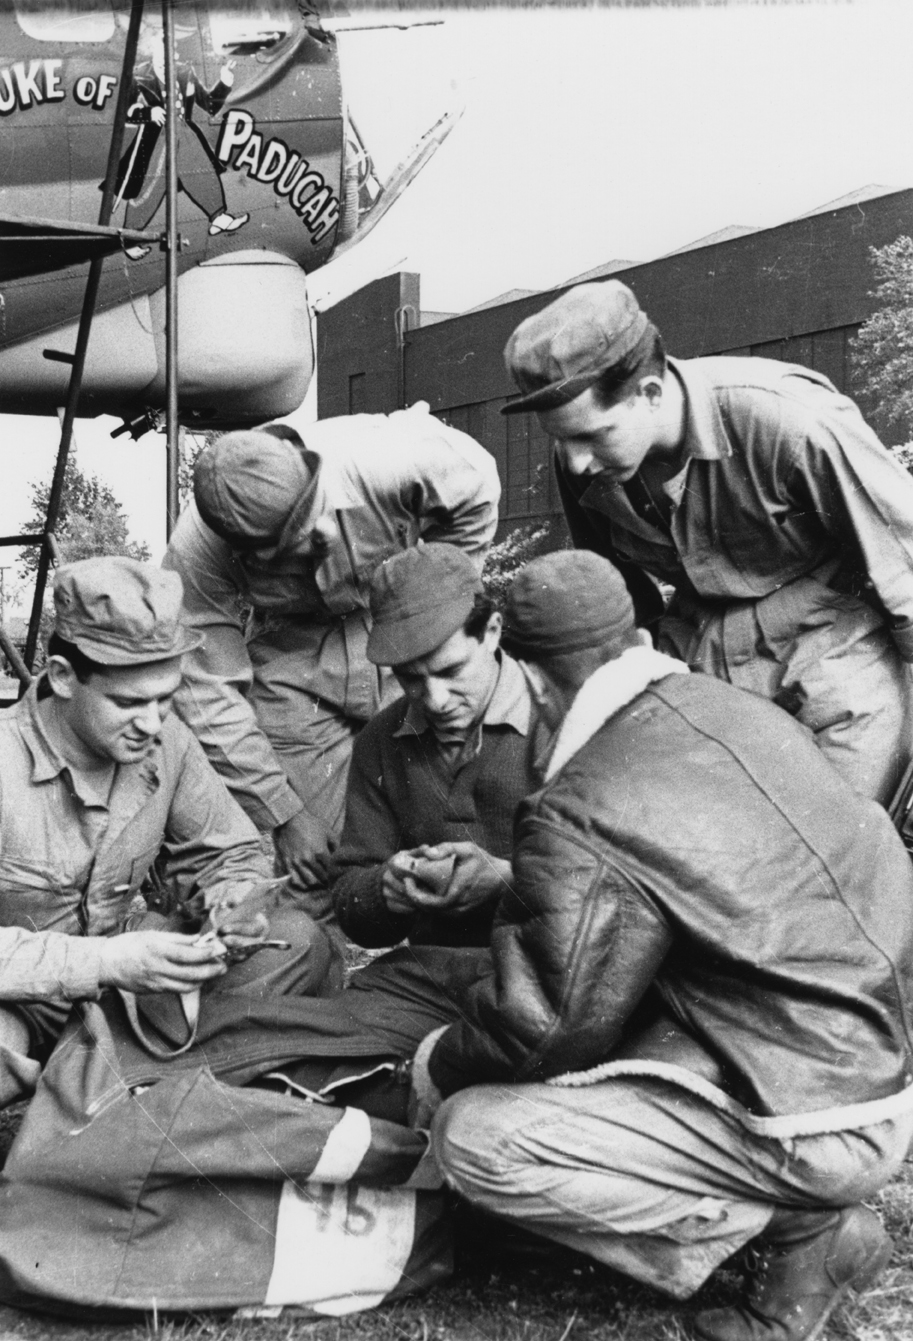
218,675
48,966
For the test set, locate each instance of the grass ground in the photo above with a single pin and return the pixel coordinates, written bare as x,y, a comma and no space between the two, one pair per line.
510,1288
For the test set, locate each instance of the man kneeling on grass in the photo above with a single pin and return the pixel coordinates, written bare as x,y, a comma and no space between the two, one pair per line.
696,1031
95,779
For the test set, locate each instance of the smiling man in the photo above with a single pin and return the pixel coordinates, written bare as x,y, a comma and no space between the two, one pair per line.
754,489
96,777
437,776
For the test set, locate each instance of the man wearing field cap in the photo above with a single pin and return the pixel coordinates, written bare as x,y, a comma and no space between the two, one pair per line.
96,779
696,1029
276,554
437,775
759,494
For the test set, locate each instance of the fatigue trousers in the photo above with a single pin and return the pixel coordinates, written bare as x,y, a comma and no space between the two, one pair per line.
645,1176
826,658
311,967
313,691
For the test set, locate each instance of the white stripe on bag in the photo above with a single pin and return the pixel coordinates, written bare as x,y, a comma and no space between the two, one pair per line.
346,1146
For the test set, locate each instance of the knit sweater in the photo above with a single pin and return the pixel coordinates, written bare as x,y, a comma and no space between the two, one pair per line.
402,793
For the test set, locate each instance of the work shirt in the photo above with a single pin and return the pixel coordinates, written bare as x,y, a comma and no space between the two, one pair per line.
782,479
404,790
72,858
386,481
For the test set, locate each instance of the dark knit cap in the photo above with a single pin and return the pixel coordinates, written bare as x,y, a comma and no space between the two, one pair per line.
554,355
564,602
247,484
418,599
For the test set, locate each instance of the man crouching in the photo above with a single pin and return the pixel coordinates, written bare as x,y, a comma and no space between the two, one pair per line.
95,779
696,1031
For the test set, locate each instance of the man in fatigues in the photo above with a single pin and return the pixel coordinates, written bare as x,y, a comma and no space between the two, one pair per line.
758,492
96,778
276,555
696,1030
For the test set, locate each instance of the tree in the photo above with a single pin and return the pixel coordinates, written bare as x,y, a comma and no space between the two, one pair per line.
508,556
91,520
882,351
191,446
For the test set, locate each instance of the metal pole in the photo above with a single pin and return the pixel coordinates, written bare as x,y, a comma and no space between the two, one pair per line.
172,243
85,326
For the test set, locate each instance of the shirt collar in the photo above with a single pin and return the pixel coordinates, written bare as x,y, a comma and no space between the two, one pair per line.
705,435
510,704
47,761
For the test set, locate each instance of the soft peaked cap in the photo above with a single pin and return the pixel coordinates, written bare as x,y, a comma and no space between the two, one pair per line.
554,355
246,485
418,599
564,602
120,612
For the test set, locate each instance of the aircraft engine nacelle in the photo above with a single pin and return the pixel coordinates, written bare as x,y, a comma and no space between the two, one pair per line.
245,352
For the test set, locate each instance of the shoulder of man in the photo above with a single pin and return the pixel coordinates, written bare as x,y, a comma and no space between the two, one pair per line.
751,381
386,443
379,731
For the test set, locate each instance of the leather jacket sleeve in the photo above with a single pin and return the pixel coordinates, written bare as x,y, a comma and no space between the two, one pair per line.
575,946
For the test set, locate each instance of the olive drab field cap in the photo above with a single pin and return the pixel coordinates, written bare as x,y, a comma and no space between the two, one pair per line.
418,599
247,483
564,602
557,353
120,612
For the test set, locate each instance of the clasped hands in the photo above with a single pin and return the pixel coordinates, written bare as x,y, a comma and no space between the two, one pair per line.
448,878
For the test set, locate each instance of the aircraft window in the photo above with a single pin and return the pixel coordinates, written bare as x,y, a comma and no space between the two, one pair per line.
66,20
248,29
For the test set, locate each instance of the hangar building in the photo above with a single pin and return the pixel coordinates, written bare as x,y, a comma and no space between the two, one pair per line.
798,292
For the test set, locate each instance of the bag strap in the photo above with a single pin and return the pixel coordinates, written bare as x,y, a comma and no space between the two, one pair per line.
163,1054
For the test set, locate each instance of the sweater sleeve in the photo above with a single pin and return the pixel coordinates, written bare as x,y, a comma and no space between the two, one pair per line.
371,835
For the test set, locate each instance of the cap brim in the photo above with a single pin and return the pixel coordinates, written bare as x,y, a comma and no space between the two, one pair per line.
106,655
396,642
553,396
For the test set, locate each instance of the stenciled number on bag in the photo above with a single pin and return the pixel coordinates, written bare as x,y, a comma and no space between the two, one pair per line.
359,1219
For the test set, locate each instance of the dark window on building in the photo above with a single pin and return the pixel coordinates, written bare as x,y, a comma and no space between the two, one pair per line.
357,393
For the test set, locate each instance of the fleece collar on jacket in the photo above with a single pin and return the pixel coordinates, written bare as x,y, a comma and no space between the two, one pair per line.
608,689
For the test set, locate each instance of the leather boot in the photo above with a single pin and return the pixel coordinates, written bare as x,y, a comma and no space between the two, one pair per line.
808,1261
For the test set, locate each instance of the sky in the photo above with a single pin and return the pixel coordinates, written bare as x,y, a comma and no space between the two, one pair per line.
587,135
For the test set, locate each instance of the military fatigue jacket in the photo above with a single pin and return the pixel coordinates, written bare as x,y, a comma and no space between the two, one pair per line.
782,479
386,481
70,866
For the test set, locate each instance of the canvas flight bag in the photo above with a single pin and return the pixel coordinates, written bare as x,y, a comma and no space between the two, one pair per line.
232,1176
